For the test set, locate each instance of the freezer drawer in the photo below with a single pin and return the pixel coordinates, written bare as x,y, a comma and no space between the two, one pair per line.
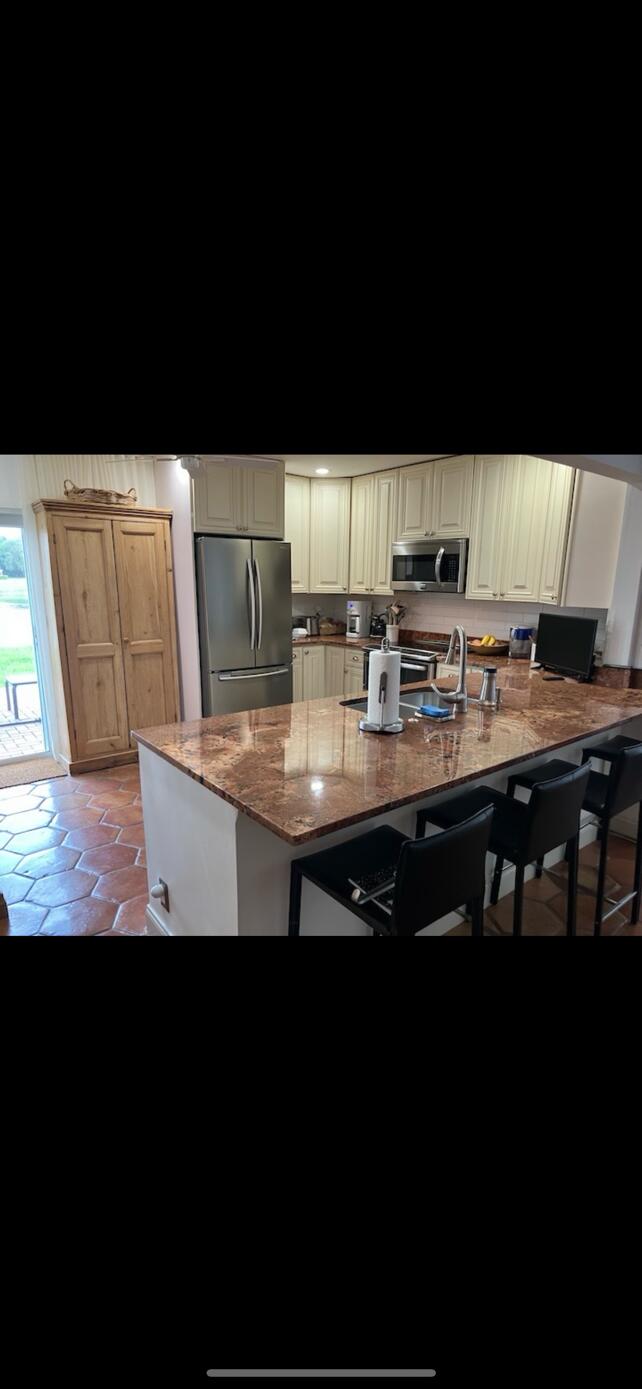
234,690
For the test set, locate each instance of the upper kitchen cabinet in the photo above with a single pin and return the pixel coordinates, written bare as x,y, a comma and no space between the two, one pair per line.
372,532
556,530
415,502
524,519
329,535
361,534
235,496
452,493
519,527
297,530
486,531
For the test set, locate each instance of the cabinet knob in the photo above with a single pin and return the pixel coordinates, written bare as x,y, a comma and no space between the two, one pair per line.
502,595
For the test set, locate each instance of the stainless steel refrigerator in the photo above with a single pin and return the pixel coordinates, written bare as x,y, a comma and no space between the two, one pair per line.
245,623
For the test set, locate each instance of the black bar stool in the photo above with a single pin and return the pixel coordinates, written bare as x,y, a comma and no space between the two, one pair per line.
606,796
432,878
524,833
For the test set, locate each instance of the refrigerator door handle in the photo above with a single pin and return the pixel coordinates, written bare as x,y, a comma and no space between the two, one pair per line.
259,591
253,675
250,579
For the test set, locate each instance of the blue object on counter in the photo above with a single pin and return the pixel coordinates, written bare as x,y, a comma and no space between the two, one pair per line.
434,711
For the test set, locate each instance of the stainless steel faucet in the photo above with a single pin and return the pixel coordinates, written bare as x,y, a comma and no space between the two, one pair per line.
460,695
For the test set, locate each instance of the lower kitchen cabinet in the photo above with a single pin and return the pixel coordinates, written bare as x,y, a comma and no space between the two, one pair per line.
335,657
297,675
308,672
353,674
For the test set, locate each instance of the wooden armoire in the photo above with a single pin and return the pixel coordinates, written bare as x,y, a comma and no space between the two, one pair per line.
111,626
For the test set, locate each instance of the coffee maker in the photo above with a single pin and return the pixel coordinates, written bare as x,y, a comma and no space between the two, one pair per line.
358,618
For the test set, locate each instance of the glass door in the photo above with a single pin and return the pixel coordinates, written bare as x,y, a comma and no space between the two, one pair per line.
23,729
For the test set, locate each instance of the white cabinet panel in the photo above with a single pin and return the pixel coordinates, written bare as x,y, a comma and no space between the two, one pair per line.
240,496
383,530
556,526
217,498
415,501
353,674
313,672
297,530
334,667
297,675
452,492
263,487
329,535
524,513
487,524
361,535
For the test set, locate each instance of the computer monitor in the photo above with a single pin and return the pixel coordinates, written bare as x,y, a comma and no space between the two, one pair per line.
566,644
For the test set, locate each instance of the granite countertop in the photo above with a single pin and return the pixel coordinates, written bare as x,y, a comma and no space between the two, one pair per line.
303,770
361,643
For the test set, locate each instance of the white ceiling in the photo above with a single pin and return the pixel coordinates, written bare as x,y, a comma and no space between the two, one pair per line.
351,464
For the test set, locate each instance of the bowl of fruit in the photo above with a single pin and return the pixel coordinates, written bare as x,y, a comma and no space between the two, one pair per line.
488,645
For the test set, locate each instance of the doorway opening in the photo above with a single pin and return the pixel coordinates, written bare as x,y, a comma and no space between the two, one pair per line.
23,724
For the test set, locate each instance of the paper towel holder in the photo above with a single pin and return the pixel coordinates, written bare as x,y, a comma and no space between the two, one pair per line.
397,725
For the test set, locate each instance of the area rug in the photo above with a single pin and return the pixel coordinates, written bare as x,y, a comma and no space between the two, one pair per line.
27,773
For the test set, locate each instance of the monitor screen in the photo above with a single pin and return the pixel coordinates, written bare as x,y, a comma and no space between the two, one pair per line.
566,643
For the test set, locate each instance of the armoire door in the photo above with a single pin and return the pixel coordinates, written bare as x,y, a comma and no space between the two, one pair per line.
89,594
146,624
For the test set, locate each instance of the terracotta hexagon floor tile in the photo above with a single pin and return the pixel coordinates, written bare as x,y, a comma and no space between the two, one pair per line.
91,837
105,800
131,917
58,803
93,782
122,885
126,815
62,786
107,859
133,834
14,888
49,862
9,862
24,920
35,840
31,820
100,934
61,889
76,819
141,858
15,805
86,918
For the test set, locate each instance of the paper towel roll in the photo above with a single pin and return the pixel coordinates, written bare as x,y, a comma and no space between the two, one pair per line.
386,663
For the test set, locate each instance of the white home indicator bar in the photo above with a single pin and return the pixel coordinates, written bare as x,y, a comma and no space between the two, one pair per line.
322,1374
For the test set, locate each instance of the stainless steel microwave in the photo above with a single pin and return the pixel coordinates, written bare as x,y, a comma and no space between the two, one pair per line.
430,566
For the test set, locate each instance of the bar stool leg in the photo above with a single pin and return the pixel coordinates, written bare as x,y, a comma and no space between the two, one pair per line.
539,868
499,864
571,901
637,879
294,921
519,900
477,915
601,876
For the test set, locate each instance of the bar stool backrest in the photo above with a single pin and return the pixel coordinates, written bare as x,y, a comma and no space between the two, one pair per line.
438,874
625,781
554,811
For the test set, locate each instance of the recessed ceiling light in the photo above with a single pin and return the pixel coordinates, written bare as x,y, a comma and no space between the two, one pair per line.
322,471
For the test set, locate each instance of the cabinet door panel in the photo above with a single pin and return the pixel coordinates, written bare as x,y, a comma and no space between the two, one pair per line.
361,535
452,496
297,530
313,672
329,535
556,526
334,666
85,559
142,573
486,532
527,481
297,675
415,502
217,498
263,487
383,530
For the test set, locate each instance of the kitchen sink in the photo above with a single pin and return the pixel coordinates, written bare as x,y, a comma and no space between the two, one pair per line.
410,701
